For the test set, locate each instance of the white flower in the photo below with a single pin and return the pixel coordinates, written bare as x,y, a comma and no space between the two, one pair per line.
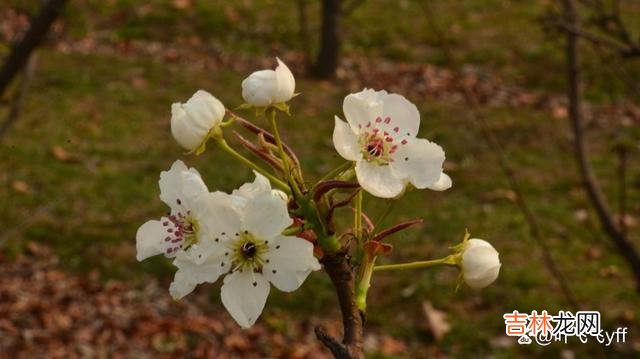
181,189
480,263
246,228
380,136
268,87
191,122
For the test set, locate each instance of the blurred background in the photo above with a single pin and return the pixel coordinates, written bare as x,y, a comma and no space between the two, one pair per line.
84,133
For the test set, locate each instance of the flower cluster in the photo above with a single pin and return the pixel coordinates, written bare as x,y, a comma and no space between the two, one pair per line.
237,235
259,235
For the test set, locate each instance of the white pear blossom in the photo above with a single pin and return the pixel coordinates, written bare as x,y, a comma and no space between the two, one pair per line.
480,263
380,136
268,87
191,122
183,232
249,248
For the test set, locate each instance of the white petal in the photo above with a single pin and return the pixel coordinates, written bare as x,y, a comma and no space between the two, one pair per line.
249,190
266,216
216,216
244,294
420,161
204,109
346,141
378,180
286,83
361,108
260,87
442,184
290,260
149,240
192,121
480,263
187,135
190,274
402,113
180,183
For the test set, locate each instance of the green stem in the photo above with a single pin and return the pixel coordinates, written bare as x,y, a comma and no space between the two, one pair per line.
357,221
283,155
363,285
448,261
292,231
225,147
336,171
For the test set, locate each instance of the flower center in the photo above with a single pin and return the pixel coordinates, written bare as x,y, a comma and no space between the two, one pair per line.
379,141
182,231
248,252
248,249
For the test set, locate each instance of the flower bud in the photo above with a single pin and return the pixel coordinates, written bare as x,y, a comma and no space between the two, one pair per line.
268,87
191,122
480,263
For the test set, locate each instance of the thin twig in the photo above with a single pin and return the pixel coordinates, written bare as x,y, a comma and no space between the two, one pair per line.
351,6
18,98
589,180
396,228
622,184
342,277
272,161
37,32
267,135
530,218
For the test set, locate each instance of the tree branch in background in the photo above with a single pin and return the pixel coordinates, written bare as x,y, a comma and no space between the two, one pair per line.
605,28
623,49
590,182
351,6
621,150
35,35
303,32
441,36
498,152
514,185
328,55
18,97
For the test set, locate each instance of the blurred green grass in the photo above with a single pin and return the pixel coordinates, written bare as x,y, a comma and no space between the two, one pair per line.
116,129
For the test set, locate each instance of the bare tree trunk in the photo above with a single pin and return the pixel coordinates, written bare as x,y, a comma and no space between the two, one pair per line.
590,182
343,279
328,56
303,28
34,36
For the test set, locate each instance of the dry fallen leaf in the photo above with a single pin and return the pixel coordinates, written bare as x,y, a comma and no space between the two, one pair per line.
436,320
20,186
593,253
559,112
611,271
391,346
581,215
501,193
181,4
61,154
